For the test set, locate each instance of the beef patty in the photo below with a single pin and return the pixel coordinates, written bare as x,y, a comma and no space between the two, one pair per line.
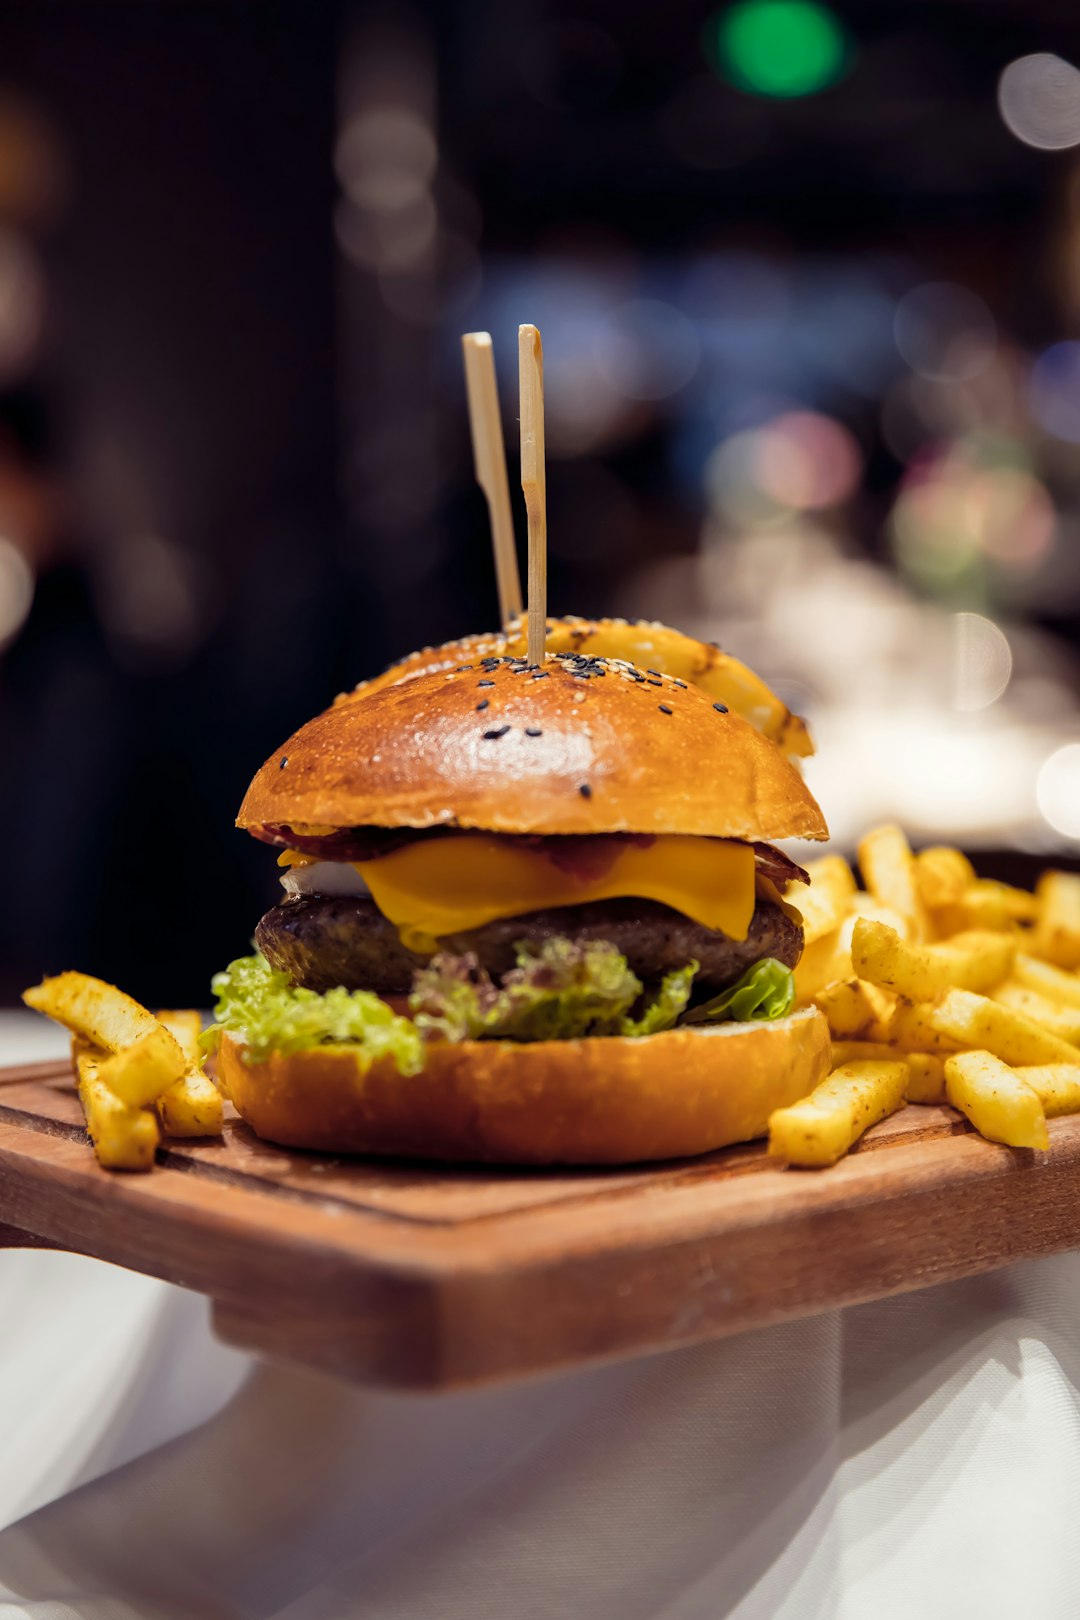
323,940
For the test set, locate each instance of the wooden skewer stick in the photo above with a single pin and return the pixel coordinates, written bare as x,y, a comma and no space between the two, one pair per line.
489,457
534,482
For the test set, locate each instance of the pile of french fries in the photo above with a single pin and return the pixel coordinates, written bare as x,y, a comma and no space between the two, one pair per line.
139,1073
939,987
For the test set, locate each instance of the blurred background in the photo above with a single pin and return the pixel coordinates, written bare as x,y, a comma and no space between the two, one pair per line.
808,277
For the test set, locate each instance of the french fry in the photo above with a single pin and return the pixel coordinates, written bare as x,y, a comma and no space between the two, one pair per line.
911,1030
888,869
824,902
820,1129
185,1026
861,1051
1000,1105
1063,1021
139,1073
1057,1086
98,1012
923,972
1056,936
192,1105
941,875
926,1077
983,1025
1047,980
865,906
856,1011
989,906
123,1138
821,963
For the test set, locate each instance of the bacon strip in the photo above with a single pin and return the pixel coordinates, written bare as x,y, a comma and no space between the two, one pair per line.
588,856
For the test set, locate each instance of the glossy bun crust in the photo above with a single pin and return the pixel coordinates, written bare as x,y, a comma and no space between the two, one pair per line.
583,746
641,642
602,1101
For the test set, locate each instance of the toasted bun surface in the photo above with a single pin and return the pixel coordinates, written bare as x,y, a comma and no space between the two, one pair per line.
581,748
647,644
602,1101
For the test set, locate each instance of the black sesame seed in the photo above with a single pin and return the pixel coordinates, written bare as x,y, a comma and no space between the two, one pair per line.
585,790
485,683
680,683
496,733
464,666
533,731
482,705
284,762
664,709
652,672
721,708
541,675
655,681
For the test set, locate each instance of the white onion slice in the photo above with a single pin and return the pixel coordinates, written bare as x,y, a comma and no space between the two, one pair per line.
323,877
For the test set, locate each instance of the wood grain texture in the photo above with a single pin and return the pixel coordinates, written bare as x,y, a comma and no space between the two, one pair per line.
418,1277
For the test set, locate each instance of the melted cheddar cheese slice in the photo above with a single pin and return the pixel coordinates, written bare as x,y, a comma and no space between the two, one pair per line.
451,885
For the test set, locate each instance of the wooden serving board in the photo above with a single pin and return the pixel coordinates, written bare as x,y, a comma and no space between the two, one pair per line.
417,1276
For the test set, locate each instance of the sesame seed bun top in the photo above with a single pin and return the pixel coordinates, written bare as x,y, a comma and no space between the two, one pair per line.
580,745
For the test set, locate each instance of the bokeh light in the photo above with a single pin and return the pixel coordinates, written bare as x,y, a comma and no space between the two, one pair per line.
1055,391
982,661
944,331
806,461
386,157
16,590
1057,789
652,351
956,510
781,48
1039,99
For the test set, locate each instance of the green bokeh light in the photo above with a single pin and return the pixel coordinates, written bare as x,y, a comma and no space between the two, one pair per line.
780,47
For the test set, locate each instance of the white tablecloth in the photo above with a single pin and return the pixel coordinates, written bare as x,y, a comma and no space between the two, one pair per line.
918,1457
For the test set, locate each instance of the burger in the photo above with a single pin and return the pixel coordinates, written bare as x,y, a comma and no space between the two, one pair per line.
532,914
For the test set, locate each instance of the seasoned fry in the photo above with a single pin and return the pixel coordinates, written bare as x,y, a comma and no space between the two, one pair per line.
124,1138
926,1077
192,1106
888,869
139,1073
923,972
1048,981
1057,1085
999,1104
856,1011
1056,936
99,1012
987,905
983,1025
185,1026
824,902
860,1051
821,963
912,1031
941,875
820,1129
1063,1021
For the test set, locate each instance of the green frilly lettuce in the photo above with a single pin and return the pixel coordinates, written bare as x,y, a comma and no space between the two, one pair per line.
271,1015
766,990
561,990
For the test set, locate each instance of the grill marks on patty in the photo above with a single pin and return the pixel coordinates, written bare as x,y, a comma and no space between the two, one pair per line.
322,941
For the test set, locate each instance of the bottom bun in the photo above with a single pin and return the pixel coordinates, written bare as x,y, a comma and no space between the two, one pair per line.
610,1100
